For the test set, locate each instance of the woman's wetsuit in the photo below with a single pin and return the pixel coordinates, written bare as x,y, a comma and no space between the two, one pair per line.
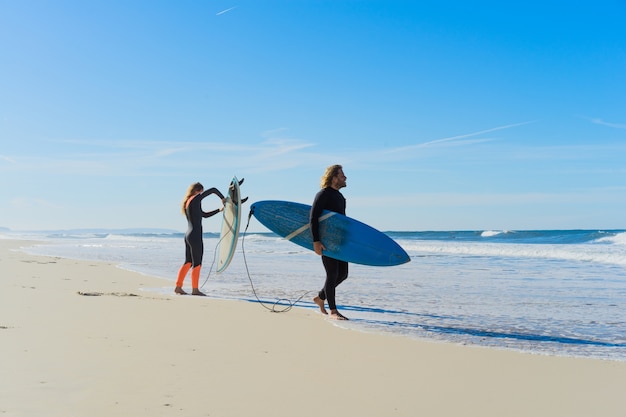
336,270
194,246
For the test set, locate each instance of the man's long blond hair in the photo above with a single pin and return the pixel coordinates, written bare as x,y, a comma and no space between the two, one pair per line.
194,188
329,174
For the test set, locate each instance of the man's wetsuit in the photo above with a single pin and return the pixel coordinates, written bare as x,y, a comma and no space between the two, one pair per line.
194,246
336,270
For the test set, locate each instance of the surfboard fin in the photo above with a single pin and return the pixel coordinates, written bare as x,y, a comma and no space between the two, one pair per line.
240,182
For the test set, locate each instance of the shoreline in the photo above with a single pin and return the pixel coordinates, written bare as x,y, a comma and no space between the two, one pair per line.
82,338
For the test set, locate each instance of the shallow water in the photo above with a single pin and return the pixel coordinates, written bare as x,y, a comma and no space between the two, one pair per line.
549,292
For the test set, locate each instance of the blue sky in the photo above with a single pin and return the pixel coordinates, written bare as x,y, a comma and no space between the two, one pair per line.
446,115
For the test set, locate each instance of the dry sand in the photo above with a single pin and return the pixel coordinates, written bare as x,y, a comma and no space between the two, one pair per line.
82,339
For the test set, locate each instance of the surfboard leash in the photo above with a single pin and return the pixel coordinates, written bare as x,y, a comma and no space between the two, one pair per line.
212,263
280,301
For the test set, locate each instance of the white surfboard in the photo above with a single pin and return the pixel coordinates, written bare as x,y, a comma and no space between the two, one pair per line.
230,226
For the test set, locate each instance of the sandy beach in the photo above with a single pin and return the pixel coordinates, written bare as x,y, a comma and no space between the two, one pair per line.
83,339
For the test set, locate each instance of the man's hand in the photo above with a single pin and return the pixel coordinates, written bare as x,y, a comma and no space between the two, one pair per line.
318,247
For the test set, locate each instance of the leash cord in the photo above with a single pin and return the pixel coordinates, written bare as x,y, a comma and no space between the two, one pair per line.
287,303
280,301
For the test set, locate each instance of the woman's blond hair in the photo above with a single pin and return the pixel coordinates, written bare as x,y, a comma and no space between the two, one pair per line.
194,188
329,174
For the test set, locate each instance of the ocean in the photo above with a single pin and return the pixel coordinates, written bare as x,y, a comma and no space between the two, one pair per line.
552,292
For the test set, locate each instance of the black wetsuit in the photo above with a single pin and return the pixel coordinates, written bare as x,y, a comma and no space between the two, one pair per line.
336,270
194,246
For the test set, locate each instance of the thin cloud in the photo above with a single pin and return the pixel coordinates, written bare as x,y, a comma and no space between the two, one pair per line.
23,203
225,11
281,147
613,125
146,157
7,159
278,154
156,147
611,195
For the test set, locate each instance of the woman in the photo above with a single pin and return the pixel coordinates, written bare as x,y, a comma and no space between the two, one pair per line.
194,246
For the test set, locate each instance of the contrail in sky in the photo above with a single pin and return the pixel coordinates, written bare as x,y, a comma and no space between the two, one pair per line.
455,138
225,11
473,134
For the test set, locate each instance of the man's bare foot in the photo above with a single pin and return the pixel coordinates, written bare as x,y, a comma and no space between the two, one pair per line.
198,292
320,303
179,290
335,315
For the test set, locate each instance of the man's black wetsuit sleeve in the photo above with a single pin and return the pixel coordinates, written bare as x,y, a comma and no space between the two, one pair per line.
316,211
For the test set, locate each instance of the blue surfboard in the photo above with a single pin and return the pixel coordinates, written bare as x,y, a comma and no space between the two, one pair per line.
345,239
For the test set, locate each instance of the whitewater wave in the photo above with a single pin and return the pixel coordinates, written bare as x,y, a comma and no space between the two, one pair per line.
492,233
618,239
582,253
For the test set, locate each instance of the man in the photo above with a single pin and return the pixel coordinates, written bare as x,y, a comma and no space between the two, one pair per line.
329,198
